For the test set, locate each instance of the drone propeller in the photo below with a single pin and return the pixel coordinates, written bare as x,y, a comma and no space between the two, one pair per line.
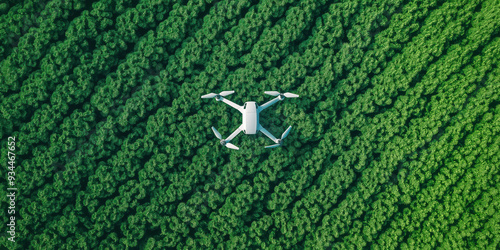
232,146
280,141
222,141
285,134
282,95
273,146
212,95
272,93
290,95
217,133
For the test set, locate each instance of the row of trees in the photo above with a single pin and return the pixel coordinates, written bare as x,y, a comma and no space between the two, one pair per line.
421,131
336,176
50,25
475,107
64,138
15,21
61,78
415,170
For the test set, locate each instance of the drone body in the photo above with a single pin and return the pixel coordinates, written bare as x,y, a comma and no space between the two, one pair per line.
250,112
250,118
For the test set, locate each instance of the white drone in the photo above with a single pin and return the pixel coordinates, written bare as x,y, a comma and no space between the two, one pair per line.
250,112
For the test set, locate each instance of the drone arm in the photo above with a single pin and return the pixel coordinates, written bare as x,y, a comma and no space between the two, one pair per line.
267,133
234,134
269,103
232,104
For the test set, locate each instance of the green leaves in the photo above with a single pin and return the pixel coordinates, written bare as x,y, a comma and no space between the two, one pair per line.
394,139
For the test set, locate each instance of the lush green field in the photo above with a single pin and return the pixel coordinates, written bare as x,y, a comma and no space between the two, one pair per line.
395,139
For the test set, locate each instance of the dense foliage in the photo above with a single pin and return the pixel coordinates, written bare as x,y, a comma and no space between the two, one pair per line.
395,140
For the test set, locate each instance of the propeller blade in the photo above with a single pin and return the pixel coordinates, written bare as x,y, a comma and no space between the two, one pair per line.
273,146
285,134
290,95
231,146
225,93
217,133
211,95
273,93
